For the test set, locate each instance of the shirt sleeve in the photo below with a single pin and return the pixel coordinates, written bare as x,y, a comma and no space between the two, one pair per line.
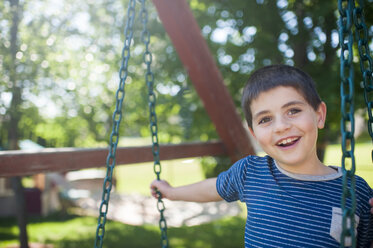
230,183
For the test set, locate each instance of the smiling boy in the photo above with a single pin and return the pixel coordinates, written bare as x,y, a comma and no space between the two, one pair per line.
286,127
292,198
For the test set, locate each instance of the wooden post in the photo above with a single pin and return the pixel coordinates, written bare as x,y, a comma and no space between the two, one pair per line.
15,116
23,163
194,53
19,195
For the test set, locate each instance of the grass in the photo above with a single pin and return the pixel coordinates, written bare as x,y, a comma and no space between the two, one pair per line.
137,178
363,159
69,231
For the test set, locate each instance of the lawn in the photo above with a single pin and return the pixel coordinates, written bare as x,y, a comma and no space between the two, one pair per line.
364,165
71,231
137,178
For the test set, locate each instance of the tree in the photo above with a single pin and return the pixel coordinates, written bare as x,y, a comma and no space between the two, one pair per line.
14,113
296,32
69,57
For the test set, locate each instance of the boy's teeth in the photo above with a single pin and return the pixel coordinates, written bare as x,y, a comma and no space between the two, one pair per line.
286,141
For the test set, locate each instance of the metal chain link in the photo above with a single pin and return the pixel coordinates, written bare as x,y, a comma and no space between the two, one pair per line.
366,63
117,117
348,201
149,79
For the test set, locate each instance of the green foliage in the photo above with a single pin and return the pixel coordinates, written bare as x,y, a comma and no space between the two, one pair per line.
69,53
71,132
212,166
300,33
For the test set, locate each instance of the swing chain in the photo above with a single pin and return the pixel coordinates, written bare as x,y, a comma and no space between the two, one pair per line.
149,78
366,62
348,200
117,117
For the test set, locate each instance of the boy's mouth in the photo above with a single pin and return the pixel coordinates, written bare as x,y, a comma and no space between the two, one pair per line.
287,142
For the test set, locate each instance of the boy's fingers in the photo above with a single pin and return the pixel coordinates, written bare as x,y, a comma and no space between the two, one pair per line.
154,184
154,193
154,187
159,188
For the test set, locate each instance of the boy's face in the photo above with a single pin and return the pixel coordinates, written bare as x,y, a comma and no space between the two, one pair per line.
286,127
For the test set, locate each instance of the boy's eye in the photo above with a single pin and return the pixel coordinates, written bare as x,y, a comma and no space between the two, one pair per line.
294,111
264,120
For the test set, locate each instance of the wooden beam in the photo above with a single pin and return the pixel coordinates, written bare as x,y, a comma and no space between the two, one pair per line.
194,53
23,163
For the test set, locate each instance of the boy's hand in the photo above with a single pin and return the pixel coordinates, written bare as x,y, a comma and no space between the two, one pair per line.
162,186
371,209
203,191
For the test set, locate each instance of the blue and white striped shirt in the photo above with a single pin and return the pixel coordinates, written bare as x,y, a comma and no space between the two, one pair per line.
291,210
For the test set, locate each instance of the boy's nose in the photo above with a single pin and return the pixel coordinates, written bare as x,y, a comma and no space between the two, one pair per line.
282,124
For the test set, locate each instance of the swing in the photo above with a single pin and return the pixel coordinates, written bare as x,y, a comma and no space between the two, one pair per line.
348,13
117,116
351,14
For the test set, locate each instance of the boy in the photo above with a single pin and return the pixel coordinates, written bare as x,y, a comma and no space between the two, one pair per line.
292,198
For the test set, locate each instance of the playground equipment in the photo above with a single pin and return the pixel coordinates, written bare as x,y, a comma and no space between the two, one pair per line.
352,15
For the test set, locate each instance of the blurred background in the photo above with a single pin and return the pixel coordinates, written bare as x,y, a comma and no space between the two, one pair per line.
59,63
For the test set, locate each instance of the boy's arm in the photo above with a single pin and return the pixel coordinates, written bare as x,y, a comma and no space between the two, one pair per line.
371,211
204,191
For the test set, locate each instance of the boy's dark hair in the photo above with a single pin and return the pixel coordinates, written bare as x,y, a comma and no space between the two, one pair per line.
273,76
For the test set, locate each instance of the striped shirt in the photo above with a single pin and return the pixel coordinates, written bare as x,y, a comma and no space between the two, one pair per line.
292,210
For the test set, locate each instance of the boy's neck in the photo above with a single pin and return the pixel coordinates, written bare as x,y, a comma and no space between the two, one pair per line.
315,168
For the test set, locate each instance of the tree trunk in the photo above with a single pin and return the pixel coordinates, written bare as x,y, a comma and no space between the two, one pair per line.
14,114
20,210
301,39
327,65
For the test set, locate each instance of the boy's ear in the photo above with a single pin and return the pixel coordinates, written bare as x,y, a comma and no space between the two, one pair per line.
252,132
321,115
